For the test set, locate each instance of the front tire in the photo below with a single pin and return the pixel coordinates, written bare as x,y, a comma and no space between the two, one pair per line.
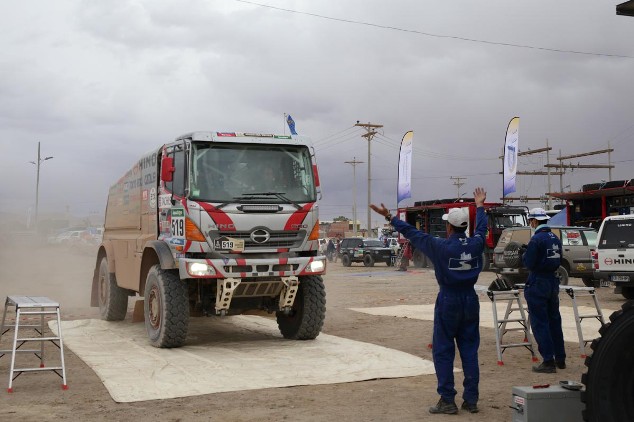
368,261
166,308
610,377
306,318
113,300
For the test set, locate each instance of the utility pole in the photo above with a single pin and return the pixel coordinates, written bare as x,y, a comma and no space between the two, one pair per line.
458,183
37,182
370,132
354,163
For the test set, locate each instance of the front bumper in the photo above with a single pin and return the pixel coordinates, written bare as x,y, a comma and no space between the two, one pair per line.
247,268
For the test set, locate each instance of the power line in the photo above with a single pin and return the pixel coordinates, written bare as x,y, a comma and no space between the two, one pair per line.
429,34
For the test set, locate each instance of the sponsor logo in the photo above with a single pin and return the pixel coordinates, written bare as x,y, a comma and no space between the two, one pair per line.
464,263
260,236
608,261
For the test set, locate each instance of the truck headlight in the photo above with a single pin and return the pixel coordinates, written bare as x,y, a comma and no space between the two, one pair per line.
200,269
316,266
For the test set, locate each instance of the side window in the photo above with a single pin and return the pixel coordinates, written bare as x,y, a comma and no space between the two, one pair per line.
571,238
177,185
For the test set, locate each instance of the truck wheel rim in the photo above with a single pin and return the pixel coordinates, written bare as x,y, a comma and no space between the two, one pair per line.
155,306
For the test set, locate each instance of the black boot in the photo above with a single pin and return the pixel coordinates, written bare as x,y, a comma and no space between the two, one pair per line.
445,407
546,367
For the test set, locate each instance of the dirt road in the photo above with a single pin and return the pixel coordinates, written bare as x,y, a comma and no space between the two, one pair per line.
65,276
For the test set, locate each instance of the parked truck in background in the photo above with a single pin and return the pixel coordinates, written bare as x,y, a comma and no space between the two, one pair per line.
427,216
215,223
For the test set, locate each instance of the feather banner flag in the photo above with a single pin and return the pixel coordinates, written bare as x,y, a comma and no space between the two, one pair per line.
291,124
510,155
404,183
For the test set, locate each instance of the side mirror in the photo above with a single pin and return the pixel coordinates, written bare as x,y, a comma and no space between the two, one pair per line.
167,169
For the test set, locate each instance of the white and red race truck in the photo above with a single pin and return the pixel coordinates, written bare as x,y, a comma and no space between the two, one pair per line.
215,223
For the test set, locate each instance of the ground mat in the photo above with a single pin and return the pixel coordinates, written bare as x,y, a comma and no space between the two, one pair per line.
225,354
590,326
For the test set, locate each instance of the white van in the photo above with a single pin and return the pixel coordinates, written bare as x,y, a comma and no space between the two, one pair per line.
613,258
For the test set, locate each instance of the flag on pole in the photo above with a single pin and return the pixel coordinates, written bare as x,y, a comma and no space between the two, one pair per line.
510,155
404,183
291,124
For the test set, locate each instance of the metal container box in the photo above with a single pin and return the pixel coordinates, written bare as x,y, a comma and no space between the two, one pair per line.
550,404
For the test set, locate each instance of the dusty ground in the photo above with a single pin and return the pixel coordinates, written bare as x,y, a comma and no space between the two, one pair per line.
65,276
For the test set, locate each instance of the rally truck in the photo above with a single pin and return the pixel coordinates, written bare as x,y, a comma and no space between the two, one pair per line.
215,224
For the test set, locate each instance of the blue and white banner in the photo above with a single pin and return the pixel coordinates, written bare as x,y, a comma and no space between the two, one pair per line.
291,124
510,155
404,183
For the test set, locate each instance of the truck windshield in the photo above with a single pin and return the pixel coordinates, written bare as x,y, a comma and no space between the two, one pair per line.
231,172
509,220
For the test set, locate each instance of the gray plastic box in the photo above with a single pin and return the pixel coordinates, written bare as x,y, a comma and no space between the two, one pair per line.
548,404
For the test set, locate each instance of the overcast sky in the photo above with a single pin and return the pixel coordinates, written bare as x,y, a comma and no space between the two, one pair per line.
99,83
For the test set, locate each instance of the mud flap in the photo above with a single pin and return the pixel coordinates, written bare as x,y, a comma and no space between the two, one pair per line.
138,315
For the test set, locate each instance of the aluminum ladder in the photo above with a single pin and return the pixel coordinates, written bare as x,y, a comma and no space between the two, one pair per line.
521,323
32,306
401,252
575,292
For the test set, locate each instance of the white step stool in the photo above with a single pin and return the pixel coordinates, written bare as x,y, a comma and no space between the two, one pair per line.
575,292
32,306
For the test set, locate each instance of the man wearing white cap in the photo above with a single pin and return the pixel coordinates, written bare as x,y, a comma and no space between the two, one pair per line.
542,258
457,264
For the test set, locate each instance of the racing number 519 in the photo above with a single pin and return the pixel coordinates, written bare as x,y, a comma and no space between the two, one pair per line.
178,227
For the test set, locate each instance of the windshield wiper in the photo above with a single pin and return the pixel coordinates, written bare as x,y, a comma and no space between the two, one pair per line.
278,195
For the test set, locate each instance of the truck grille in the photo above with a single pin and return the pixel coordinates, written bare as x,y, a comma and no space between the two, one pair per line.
277,239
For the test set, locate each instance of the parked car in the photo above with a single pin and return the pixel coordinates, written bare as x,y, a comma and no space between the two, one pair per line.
577,244
613,258
368,251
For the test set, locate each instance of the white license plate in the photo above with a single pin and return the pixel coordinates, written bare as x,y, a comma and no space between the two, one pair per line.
620,278
604,283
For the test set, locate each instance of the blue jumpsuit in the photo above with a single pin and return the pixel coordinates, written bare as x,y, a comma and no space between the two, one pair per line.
542,258
457,264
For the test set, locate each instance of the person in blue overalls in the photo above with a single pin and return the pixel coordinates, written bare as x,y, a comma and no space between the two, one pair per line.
542,258
457,264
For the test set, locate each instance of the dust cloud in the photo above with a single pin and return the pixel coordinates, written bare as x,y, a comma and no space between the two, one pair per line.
31,267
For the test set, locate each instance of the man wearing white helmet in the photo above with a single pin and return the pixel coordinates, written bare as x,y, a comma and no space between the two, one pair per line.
457,265
542,259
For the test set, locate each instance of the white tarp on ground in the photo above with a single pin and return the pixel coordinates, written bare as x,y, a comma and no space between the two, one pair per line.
590,326
225,354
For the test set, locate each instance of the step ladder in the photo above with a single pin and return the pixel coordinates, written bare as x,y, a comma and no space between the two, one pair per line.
575,292
401,252
27,307
518,323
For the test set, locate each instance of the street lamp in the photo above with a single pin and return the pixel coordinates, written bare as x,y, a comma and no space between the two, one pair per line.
37,183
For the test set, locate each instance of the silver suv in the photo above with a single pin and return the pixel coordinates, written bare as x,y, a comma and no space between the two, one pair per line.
577,244
614,257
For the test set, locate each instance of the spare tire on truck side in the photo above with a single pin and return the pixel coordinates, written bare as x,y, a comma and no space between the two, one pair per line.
610,378
307,315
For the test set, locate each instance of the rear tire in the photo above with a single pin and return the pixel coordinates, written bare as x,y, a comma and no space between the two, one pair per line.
307,315
368,261
166,308
590,282
627,292
610,377
419,259
113,300
563,276
345,261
